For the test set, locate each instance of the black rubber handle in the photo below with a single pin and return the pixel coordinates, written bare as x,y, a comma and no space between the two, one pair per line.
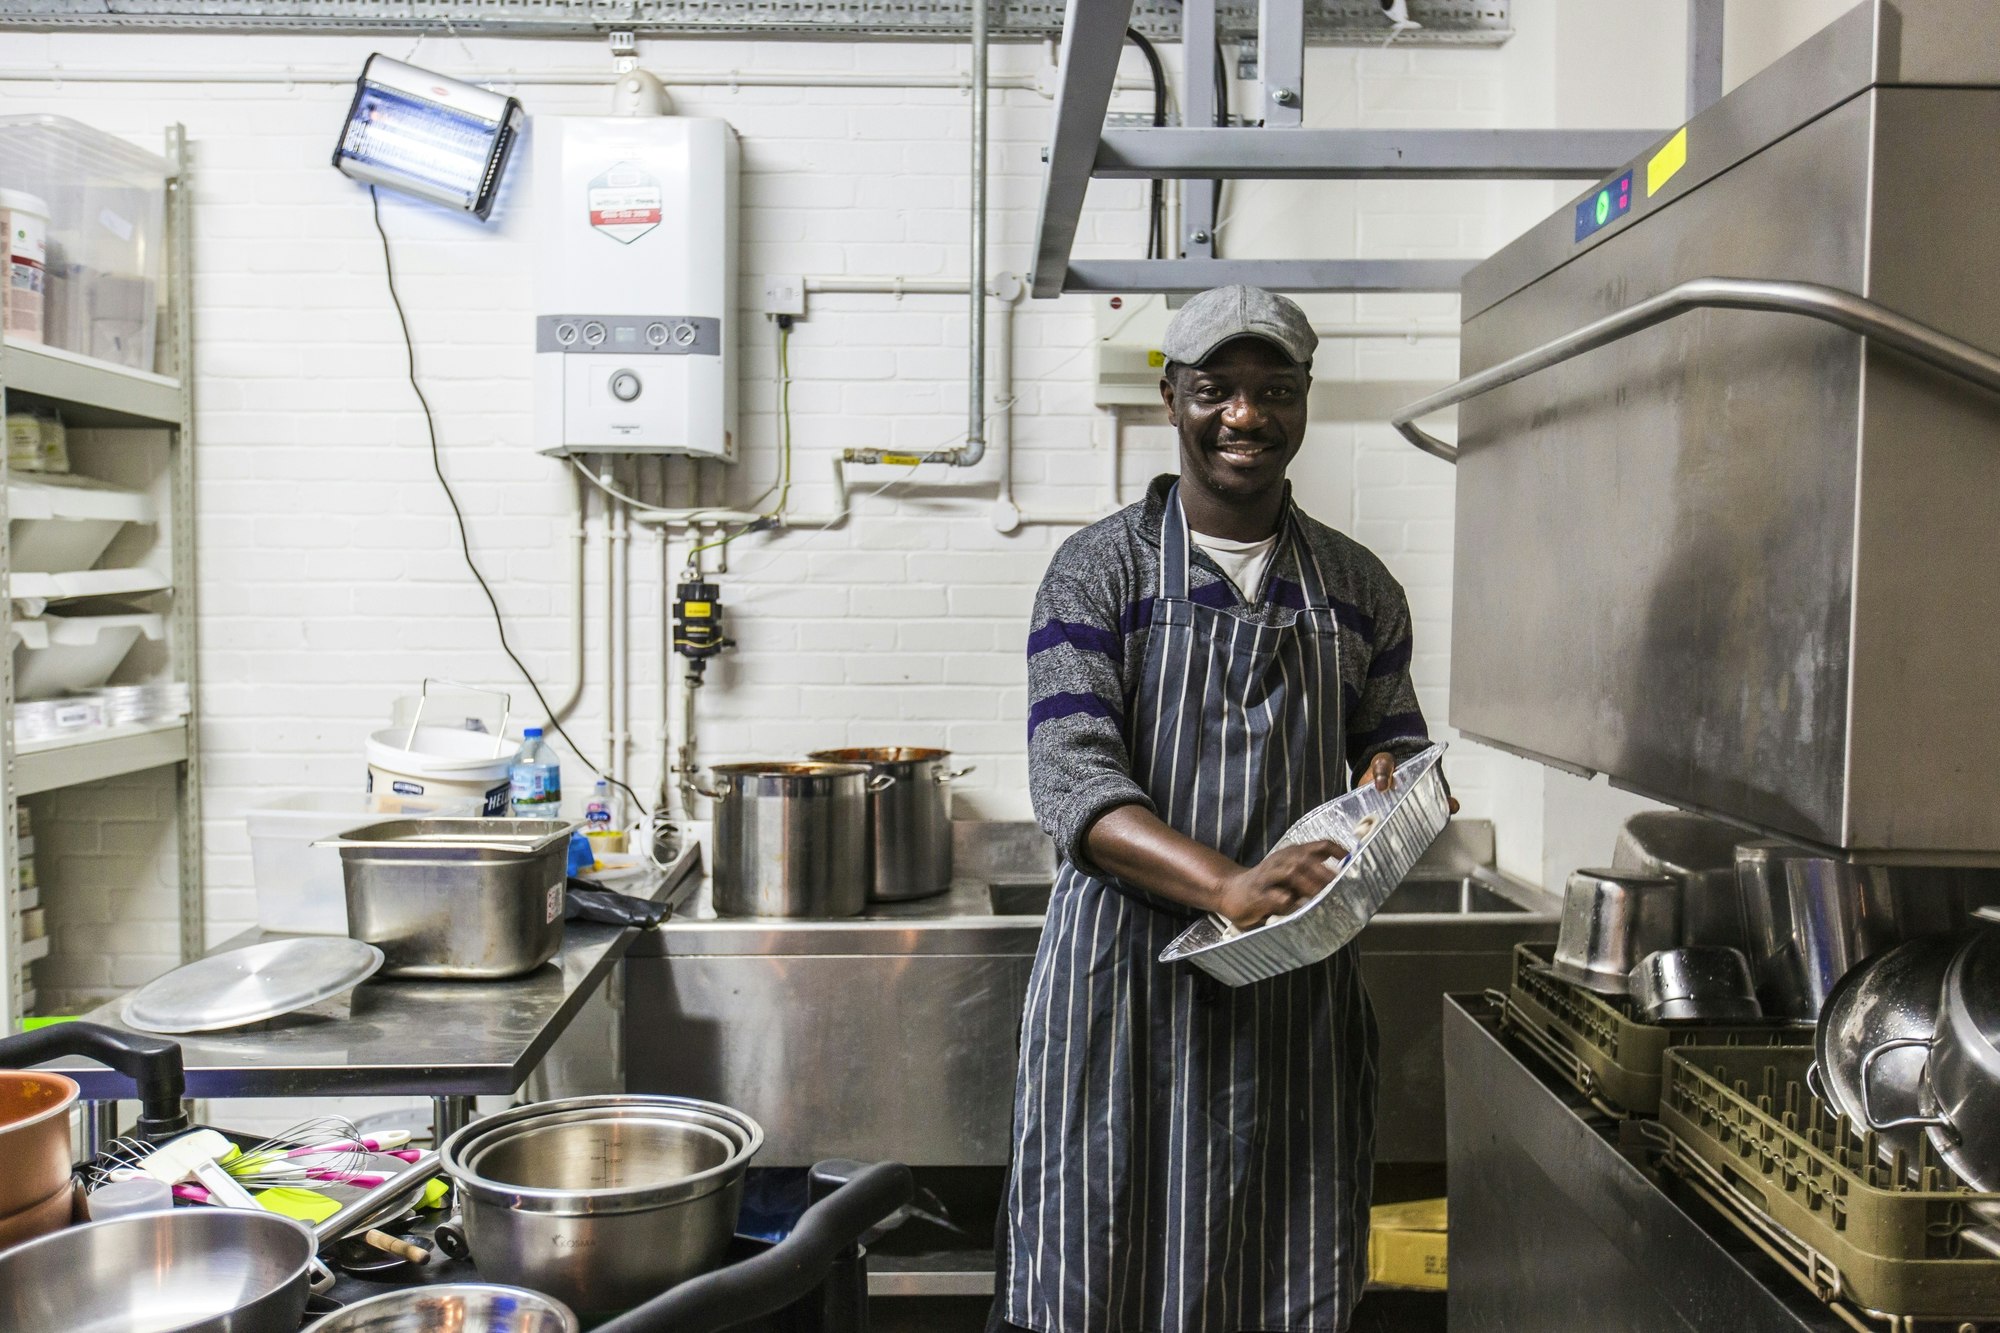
152,1063
787,1272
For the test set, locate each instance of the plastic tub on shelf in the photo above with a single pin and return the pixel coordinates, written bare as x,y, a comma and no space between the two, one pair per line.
300,888
60,524
55,655
107,205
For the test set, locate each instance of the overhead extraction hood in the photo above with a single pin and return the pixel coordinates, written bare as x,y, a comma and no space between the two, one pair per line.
1728,502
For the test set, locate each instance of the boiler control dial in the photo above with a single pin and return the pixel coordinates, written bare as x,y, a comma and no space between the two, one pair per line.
593,333
624,385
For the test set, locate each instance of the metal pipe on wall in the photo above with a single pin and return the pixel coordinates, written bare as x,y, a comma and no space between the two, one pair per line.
975,391
579,538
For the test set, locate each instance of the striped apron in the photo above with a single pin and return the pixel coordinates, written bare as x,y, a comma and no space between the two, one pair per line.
1188,1157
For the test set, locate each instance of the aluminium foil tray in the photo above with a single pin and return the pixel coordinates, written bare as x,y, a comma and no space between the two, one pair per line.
1408,820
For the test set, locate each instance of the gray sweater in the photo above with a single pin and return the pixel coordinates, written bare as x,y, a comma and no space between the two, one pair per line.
1087,647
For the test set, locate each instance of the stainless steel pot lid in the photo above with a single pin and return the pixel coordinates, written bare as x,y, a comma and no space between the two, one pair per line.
229,990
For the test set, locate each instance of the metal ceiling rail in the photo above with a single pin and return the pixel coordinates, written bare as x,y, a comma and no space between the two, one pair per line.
1262,154
1325,22
1082,148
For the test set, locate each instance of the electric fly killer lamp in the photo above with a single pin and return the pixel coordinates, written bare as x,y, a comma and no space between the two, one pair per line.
427,135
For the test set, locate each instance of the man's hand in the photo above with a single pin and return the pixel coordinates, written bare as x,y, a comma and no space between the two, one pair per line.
1277,884
1381,772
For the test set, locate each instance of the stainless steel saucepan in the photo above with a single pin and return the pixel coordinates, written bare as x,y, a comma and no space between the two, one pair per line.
602,1202
909,818
791,839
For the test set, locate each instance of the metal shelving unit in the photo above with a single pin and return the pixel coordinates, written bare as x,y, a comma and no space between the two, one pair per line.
93,394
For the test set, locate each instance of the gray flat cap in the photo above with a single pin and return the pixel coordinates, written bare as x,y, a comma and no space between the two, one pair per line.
1221,313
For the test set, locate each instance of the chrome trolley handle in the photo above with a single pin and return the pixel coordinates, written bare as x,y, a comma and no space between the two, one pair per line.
1813,300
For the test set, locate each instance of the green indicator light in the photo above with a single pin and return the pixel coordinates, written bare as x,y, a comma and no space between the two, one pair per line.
1603,206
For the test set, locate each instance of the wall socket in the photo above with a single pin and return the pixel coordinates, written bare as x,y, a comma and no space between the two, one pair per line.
784,294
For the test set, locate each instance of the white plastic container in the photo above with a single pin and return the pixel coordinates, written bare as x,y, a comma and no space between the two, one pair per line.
59,525
55,655
300,888
24,248
441,764
106,207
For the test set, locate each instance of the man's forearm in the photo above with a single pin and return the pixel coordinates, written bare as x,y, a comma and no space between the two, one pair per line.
1138,847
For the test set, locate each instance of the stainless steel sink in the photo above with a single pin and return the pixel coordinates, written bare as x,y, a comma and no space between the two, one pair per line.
1020,897
1450,897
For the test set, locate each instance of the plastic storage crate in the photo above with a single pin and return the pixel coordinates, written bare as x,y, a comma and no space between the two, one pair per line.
1605,1052
106,237
1777,1161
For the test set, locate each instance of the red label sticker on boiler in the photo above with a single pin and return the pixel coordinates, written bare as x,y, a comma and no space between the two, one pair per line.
625,202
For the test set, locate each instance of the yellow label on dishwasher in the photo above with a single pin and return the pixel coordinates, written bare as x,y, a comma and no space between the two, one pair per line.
1667,162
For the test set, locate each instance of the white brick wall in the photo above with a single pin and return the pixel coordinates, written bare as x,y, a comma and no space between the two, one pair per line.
330,580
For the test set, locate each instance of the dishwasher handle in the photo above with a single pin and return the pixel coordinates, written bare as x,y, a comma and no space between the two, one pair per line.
1830,305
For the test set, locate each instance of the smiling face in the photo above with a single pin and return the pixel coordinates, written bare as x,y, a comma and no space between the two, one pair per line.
1241,416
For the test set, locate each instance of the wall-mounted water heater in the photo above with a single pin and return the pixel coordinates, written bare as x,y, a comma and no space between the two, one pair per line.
635,293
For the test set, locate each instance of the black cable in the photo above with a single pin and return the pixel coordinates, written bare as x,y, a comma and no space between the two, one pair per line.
1156,217
1221,121
458,515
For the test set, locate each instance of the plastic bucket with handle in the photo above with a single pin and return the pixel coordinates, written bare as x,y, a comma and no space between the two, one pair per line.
441,764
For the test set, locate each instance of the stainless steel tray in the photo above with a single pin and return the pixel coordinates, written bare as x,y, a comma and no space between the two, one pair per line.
1408,820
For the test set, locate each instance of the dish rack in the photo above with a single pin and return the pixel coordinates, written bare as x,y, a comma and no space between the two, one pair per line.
1741,1126
1600,1048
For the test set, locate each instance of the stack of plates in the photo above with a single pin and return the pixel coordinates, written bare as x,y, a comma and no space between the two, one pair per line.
160,702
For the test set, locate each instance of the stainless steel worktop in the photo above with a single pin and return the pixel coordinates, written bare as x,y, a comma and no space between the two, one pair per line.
390,1038
893,1034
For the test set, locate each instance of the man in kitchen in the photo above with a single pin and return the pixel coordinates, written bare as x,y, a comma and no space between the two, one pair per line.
1204,668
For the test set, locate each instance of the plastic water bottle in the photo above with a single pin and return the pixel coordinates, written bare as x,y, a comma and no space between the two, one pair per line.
601,823
534,779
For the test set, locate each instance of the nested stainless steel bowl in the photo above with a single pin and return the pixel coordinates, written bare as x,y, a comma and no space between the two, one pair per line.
602,1202
1963,1077
1886,1005
457,898
909,818
1611,919
791,839
460,1307
1709,982
191,1270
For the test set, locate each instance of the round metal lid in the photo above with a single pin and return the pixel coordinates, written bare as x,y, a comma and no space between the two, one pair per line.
229,990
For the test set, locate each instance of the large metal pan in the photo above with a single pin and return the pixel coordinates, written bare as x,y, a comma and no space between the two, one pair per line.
1881,1002
191,1270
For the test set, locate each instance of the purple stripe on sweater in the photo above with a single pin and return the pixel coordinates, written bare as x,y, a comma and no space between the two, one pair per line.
1089,638
1390,660
1395,727
1058,706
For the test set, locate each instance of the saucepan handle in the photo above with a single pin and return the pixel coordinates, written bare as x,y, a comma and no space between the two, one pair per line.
881,782
954,774
1867,1074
